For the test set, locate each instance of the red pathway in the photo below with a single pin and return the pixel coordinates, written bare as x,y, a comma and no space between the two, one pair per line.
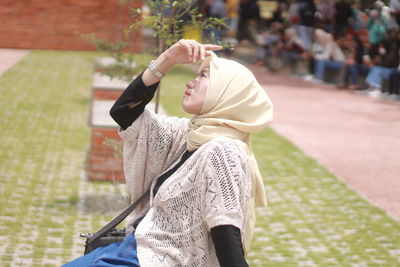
353,135
8,57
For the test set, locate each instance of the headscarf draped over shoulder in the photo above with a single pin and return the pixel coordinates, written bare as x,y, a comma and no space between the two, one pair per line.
235,106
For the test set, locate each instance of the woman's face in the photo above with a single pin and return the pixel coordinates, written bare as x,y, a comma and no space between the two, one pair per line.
193,98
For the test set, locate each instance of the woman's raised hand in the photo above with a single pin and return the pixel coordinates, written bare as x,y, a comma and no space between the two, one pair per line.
189,51
182,52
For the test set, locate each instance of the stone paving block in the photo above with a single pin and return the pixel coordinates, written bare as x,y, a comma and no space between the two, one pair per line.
100,116
108,61
102,81
102,63
56,188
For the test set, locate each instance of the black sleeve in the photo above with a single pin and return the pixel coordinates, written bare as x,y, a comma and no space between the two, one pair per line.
130,105
228,246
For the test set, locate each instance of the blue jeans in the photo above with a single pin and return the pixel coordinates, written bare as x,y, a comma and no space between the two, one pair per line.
321,65
353,71
121,254
377,74
306,33
290,58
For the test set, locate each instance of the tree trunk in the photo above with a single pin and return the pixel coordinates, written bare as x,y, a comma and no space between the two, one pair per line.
161,48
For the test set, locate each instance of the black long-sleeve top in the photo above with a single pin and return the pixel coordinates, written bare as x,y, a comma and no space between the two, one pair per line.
129,106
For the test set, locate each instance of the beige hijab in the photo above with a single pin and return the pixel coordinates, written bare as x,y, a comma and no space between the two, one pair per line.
235,106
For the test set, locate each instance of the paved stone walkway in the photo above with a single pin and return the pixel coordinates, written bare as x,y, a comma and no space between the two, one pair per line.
55,194
355,136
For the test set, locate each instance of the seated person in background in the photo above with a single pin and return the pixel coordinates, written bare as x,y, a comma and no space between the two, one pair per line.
293,47
383,60
326,53
269,42
354,63
394,85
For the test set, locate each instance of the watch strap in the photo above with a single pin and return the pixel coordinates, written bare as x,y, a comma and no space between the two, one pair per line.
154,70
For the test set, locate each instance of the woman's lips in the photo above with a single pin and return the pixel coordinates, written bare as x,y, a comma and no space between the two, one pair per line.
187,93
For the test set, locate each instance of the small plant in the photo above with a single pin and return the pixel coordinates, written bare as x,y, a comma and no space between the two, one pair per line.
168,19
115,145
124,65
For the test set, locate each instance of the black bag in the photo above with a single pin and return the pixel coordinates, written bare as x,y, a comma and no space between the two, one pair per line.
114,235
109,233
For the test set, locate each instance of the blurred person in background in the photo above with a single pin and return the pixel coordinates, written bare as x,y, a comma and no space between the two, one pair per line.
215,9
277,14
354,64
293,14
342,15
232,12
249,16
394,10
376,26
326,15
293,48
306,11
326,53
394,85
358,19
383,10
383,60
269,47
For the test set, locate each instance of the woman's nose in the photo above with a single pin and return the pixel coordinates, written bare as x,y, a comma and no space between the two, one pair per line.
189,84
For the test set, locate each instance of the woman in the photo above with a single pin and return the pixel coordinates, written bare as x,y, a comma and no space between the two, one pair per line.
293,48
376,26
383,61
203,176
306,9
327,54
354,65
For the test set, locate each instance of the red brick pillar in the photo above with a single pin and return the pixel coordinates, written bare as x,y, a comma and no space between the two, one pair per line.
104,163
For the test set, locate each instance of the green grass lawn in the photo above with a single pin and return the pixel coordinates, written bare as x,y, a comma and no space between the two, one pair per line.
313,218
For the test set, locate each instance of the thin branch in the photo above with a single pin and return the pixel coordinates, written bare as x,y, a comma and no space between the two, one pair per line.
171,17
187,9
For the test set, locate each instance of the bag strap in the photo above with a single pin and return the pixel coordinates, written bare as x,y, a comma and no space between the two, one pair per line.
117,220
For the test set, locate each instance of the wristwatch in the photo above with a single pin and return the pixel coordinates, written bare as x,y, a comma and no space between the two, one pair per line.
154,70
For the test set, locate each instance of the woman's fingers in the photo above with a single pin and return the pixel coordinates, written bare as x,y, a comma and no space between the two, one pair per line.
202,52
188,48
196,50
212,47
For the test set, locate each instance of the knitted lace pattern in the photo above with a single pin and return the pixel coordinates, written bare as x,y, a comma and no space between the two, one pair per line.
211,188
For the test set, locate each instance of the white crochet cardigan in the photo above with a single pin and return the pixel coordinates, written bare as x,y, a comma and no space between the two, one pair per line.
211,188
